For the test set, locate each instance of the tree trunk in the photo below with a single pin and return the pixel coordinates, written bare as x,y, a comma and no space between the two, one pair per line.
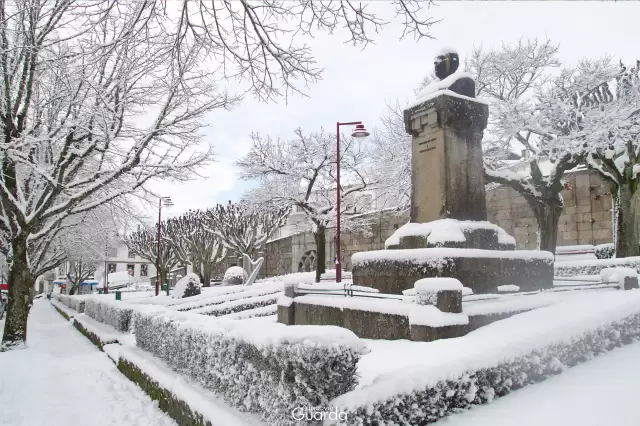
205,274
547,216
321,243
19,283
626,226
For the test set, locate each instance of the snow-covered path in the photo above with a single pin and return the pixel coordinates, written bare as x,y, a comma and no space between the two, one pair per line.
61,379
600,392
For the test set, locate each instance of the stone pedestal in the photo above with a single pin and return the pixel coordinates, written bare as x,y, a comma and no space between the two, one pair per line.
449,235
446,159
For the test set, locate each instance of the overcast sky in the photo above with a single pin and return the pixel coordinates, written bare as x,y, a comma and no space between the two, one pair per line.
356,83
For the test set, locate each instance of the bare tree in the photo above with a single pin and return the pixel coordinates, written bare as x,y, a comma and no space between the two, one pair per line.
611,125
300,173
246,228
192,241
77,77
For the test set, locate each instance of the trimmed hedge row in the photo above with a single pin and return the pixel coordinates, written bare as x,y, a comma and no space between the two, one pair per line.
176,408
269,370
74,302
593,267
482,386
239,305
116,314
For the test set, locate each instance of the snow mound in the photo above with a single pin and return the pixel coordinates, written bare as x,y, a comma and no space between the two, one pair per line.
611,275
187,286
510,288
431,316
437,284
233,276
442,231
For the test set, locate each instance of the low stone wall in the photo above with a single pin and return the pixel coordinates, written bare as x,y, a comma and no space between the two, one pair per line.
365,324
482,274
378,325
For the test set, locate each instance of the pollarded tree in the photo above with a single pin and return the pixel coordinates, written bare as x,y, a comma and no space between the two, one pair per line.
191,240
246,228
144,242
300,173
612,128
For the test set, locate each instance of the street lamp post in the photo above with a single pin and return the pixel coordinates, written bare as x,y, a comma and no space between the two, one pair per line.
168,203
359,132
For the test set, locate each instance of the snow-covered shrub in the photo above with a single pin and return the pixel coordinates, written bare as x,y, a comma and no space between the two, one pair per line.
242,292
593,267
605,251
238,305
187,286
500,358
115,313
74,302
267,368
233,276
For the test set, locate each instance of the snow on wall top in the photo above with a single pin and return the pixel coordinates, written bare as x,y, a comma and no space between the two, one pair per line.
440,255
446,230
393,307
431,316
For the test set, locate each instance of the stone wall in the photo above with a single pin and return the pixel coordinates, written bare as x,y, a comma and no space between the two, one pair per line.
586,218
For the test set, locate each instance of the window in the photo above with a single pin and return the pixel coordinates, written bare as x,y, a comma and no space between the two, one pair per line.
131,269
131,254
111,267
144,270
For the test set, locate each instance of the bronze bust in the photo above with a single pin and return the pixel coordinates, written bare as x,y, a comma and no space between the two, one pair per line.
445,65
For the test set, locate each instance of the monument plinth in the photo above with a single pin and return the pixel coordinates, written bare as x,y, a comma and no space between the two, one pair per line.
448,235
446,158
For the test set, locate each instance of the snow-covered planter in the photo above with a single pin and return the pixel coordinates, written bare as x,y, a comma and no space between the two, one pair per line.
267,368
593,267
116,314
493,361
233,276
605,251
187,286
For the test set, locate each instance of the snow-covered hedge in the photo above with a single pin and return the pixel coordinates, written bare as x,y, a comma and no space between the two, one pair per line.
107,311
593,267
233,276
267,368
187,286
238,305
496,359
605,251
74,302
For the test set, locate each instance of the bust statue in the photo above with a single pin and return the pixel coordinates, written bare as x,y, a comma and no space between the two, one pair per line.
446,64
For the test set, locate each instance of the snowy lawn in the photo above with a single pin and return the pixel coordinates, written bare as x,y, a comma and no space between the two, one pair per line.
597,393
61,379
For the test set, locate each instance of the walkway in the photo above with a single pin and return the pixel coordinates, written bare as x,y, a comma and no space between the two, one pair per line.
61,379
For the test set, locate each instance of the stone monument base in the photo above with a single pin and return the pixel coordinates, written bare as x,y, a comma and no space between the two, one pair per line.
479,254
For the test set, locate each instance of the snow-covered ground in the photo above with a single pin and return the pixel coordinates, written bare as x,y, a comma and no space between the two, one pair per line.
601,392
61,379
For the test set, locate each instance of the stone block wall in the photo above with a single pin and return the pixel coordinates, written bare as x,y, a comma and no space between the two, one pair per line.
586,218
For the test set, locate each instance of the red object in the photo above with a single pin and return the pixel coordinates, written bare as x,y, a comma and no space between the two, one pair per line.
359,132
4,286
158,260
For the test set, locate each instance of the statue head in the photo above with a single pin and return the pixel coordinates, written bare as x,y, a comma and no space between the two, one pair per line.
446,63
